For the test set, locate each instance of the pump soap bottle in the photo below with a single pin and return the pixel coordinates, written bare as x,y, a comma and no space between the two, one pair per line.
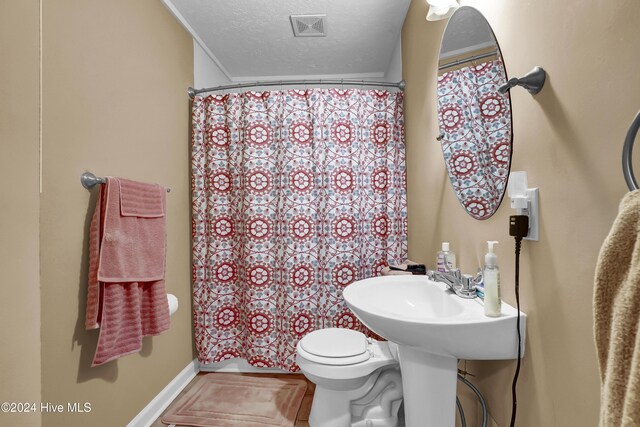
446,259
491,275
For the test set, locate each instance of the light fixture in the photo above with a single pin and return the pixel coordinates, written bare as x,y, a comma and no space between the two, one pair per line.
441,9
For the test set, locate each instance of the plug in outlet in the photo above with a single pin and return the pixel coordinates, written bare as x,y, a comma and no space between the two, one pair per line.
525,201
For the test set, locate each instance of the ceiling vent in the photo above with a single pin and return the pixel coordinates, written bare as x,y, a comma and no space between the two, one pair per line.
309,25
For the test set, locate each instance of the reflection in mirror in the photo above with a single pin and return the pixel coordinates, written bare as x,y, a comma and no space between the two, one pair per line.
474,118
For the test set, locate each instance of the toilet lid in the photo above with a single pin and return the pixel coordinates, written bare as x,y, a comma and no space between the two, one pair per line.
335,342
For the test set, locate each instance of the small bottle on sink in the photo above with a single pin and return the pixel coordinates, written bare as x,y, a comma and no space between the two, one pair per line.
446,259
491,279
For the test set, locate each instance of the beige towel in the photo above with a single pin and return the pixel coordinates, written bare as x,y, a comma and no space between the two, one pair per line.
617,317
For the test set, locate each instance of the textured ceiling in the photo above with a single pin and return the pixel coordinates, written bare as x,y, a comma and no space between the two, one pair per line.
467,31
251,39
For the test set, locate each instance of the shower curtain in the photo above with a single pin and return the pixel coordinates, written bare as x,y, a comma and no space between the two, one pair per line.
296,194
470,110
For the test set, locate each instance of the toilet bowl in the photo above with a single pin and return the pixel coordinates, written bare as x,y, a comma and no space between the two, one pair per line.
358,382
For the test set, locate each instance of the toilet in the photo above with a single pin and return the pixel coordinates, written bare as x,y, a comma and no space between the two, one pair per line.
358,381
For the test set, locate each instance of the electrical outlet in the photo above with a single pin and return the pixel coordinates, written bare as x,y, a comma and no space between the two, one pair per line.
534,214
525,201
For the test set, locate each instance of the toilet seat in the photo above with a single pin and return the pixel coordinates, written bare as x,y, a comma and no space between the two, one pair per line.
335,346
377,354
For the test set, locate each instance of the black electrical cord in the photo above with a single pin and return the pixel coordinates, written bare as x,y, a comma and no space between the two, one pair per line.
518,228
515,376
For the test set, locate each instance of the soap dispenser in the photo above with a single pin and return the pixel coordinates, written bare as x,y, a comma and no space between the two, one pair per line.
491,277
446,259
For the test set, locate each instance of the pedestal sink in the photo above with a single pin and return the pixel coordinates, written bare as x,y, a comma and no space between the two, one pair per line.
433,328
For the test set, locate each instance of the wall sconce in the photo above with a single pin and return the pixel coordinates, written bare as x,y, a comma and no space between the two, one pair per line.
441,9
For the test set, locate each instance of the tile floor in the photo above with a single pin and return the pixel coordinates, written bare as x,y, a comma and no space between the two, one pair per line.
305,408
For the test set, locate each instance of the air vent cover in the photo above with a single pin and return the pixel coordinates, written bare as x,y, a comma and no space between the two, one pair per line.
309,25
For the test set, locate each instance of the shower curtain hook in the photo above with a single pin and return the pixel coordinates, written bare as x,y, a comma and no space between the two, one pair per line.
341,84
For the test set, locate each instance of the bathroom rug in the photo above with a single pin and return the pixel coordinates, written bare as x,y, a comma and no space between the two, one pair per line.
228,400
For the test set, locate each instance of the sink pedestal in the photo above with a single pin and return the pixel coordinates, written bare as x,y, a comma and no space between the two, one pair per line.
425,319
429,386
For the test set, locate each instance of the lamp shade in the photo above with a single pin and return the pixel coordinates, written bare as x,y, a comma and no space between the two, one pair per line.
441,9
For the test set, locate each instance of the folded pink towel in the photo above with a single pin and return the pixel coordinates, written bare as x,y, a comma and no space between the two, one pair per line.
132,248
126,295
140,199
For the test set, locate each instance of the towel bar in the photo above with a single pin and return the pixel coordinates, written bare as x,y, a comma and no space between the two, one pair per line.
89,181
627,151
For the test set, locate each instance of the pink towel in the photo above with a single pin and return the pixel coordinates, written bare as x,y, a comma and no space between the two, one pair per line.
141,200
132,247
126,295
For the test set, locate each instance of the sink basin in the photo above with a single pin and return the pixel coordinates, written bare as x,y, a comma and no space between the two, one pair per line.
421,313
433,328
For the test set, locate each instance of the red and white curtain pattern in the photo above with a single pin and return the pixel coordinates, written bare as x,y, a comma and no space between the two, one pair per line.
296,194
476,124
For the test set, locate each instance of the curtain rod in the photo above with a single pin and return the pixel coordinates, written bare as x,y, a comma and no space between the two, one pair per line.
400,85
467,59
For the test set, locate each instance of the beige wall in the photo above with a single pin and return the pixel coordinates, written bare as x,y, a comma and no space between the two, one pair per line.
115,75
19,146
569,140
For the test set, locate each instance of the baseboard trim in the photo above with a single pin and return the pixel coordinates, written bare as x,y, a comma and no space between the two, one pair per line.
238,365
154,409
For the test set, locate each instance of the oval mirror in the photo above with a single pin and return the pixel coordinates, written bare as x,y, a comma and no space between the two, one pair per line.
474,118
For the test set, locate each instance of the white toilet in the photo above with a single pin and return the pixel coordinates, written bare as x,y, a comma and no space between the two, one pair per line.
358,382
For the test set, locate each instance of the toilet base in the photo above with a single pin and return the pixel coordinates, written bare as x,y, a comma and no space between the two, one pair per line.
379,407
330,408
374,404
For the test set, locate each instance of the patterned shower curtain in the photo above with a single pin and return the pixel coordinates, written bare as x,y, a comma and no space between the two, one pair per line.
296,194
470,110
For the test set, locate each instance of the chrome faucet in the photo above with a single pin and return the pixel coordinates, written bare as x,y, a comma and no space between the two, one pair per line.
463,285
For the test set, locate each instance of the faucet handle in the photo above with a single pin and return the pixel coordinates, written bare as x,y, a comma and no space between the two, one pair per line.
455,272
468,289
467,282
479,277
